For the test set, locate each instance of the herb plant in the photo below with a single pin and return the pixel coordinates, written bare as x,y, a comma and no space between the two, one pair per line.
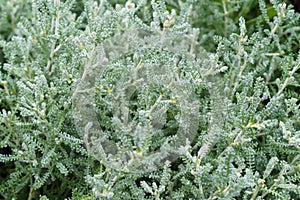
146,99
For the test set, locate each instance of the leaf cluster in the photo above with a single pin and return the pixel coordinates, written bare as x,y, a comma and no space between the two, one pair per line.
225,71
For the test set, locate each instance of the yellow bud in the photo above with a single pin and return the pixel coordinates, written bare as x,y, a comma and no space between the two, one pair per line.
173,100
26,69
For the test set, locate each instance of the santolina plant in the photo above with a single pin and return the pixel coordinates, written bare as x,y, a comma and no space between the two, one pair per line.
149,100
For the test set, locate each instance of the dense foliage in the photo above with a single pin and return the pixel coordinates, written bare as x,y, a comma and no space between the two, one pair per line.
148,99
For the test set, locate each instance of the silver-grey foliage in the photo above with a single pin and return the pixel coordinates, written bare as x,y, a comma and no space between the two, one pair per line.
148,99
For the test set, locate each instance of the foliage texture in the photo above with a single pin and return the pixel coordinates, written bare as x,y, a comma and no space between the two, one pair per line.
222,77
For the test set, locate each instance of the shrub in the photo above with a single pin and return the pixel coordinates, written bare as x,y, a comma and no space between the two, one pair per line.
149,100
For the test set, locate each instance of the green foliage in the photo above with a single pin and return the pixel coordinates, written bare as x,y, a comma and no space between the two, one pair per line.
213,86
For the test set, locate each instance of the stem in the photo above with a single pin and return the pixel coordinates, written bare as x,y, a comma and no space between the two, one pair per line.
155,104
225,16
274,29
30,196
236,84
287,80
55,26
253,197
